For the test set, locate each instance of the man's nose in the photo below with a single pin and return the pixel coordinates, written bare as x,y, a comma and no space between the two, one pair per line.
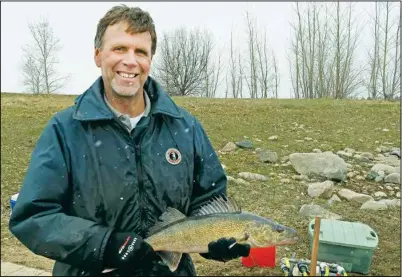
130,59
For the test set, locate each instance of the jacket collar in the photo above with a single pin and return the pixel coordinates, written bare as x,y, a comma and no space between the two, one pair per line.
91,106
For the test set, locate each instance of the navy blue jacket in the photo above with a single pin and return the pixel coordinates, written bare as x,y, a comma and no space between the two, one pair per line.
88,176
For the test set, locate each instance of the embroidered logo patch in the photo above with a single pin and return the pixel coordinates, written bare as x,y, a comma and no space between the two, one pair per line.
173,156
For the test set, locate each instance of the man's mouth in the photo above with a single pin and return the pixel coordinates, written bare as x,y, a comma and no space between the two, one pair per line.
127,75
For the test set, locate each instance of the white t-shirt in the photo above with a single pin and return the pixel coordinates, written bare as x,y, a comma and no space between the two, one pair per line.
135,120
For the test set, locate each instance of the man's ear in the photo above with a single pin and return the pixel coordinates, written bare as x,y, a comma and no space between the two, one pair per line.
97,57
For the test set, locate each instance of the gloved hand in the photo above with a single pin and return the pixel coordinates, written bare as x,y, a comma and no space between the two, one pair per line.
128,251
219,250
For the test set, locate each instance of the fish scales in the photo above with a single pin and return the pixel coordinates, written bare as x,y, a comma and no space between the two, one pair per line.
193,234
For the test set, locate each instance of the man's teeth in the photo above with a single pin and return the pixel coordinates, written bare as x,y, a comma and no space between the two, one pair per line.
127,75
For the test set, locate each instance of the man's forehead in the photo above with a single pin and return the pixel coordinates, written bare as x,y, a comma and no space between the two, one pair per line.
123,28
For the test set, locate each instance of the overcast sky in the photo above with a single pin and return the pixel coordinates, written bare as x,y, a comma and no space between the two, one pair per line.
75,25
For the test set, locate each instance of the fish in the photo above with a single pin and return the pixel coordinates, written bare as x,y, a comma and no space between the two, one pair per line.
175,233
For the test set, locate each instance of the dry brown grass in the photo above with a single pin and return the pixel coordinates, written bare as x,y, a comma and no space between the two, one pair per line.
334,124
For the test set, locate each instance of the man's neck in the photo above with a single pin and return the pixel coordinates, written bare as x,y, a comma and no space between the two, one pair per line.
133,106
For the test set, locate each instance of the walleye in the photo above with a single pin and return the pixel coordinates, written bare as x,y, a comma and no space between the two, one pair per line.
175,233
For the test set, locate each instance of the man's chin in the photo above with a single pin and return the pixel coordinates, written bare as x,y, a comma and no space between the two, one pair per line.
126,92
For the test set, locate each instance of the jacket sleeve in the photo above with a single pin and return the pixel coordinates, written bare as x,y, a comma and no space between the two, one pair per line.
39,219
209,177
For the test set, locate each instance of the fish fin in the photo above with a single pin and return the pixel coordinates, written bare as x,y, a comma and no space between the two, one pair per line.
171,215
254,243
171,259
217,205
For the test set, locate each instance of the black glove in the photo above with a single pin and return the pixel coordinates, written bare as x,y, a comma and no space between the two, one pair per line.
219,250
128,251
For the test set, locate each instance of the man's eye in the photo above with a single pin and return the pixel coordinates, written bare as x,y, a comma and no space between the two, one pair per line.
142,52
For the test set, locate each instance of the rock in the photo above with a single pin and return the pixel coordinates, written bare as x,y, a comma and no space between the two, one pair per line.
367,155
308,139
349,166
312,210
382,149
229,147
323,190
316,150
361,158
267,156
333,199
300,177
245,144
285,181
391,202
379,157
396,152
325,164
391,193
230,178
273,138
350,175
374,205
284,159
380,176
349,150
389,188
383,167
391,160
394,178
398,194
344,154
380,194
360,178
258,150
240,181
253,176
385,130
354,196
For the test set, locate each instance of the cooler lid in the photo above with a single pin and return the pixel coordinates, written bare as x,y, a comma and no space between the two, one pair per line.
344,233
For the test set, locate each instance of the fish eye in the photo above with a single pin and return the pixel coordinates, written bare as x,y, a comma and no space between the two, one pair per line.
280,229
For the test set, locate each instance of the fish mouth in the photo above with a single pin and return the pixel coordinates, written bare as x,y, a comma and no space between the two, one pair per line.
288,241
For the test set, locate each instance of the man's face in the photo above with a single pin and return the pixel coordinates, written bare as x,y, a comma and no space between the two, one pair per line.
125,60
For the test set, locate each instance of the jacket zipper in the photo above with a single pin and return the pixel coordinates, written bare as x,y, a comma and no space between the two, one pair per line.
137,147
140,174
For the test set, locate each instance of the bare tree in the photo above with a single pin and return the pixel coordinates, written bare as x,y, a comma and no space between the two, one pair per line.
234,76
212,71
304,51
276,76
396,78
389,64
32,73
252,78
345,39
183,61
323,86
314,71
374,57
264,66
39,67
384,57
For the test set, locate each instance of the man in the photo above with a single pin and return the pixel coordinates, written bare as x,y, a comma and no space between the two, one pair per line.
105,169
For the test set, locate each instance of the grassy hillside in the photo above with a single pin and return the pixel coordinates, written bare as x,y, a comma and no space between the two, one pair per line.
332,125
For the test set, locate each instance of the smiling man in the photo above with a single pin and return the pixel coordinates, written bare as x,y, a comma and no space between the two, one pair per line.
105,169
